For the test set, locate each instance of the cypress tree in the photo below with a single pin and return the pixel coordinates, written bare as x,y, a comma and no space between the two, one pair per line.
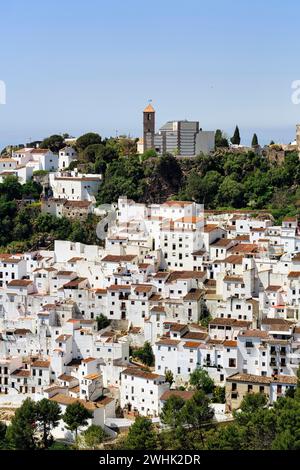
236,139
254,140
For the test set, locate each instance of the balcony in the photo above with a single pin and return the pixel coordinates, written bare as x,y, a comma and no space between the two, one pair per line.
273,364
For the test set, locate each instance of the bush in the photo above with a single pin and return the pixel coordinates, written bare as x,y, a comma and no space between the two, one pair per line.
145,354
102,321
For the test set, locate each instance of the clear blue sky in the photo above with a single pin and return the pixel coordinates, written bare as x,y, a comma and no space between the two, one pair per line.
74,66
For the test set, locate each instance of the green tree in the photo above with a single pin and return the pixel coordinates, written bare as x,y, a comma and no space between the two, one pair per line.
48,415
219,394
102,321
60,228
171,414
92,152
21,433
141,435
286,440
201,380
77,232
287,412
220,139
54,143
126,146
205,316
93,436
228,437
74,164
10,189
169,377
235,139
145,354
197,410
124,176
197,415
31,190
254,142
56,445
151,153
8,211
91,138
203,189
231,193
170,170
76,416
3,429
253,401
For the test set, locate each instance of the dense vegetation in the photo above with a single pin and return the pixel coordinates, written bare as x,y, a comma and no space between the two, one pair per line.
222,180
185,424
244,180
189,425
144,354
32,425
24,227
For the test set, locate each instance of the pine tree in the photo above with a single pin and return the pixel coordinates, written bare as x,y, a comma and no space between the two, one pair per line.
235,139
48,416
254,141
141,436
21,433
220,139
76,416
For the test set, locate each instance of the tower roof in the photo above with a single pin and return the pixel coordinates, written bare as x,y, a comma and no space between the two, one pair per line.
149,109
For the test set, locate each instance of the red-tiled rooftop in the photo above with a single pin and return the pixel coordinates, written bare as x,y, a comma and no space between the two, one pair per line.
118,258
184,394
19,283
136,372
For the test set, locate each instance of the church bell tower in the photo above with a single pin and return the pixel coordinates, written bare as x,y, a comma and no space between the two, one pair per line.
148,127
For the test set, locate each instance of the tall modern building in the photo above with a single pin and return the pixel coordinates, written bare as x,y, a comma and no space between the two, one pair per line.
183,138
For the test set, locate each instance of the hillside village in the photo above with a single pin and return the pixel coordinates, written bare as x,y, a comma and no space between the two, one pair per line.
219,291
117,304
149,233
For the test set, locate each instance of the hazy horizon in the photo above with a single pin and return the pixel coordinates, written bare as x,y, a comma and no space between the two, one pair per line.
74,67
